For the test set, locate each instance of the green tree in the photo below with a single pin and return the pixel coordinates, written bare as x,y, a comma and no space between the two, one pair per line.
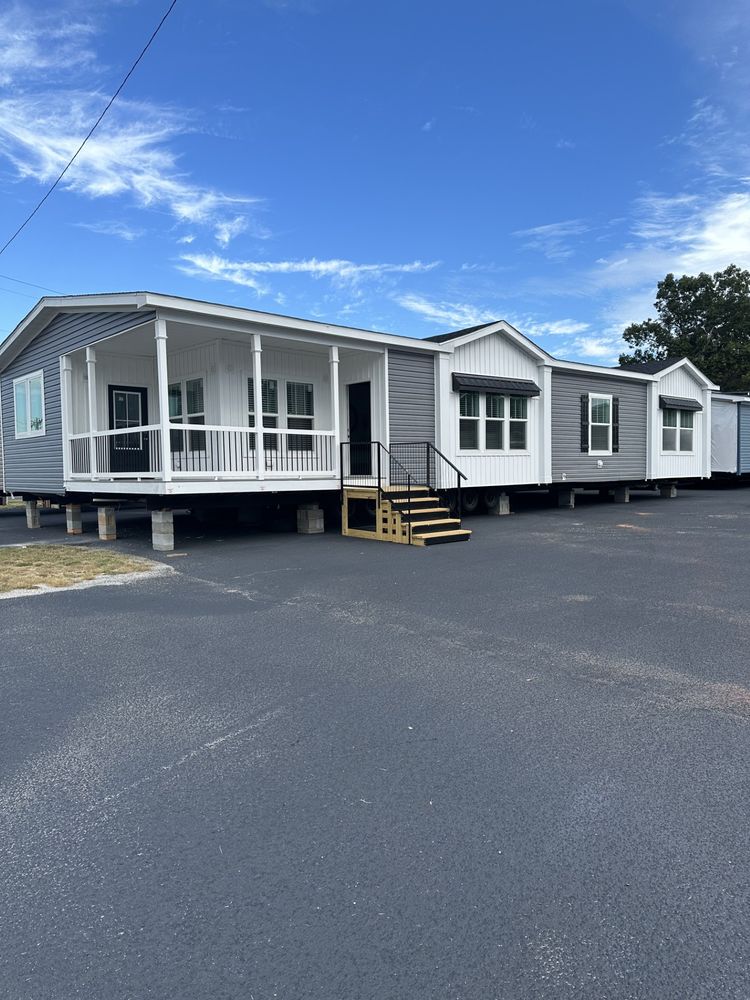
706,318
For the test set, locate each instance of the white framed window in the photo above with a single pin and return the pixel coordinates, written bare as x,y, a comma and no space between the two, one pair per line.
270,402
187,406
468,424
300,414
677,430
518,421
494,423
28,402
600,425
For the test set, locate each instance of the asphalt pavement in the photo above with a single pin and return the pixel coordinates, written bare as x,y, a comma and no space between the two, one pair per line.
317,767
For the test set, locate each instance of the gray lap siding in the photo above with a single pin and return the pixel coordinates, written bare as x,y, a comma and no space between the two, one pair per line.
578,466
35,464
411,396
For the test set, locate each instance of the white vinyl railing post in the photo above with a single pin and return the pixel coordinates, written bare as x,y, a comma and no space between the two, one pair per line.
91,385
333,361
258,404
160,334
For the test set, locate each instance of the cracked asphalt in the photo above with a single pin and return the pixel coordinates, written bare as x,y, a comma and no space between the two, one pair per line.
316,767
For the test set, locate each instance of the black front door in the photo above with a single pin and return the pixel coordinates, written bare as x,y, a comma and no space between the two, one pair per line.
360,429
128,407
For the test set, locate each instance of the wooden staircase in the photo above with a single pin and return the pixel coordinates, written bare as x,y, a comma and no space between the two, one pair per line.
407,515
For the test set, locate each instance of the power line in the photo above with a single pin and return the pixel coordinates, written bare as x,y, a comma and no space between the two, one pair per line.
111,101
19,281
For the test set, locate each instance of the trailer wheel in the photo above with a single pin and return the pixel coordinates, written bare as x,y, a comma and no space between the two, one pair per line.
491,501
469,501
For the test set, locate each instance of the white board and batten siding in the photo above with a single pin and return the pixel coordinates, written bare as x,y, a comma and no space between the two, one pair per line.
682,465
724,435
569,462
497,356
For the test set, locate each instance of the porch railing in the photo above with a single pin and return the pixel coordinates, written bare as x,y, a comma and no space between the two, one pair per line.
200,451
120,454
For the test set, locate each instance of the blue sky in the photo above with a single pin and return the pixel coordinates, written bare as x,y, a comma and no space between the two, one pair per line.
413,166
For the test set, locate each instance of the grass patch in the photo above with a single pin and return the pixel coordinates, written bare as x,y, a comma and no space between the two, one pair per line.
61,565
12,507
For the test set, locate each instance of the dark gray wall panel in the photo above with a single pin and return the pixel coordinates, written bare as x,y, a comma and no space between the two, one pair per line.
743,423
567,457
411,396
36,464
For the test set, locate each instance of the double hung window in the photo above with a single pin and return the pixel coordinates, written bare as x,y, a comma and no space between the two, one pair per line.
300,412
28,401
270,404
187,406
677,430
600,425
468,425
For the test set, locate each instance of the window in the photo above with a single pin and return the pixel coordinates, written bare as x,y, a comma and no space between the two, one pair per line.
600,423
469,422
187,406
677,430
299,414
28,399
519,416
503,419
270,402
493,427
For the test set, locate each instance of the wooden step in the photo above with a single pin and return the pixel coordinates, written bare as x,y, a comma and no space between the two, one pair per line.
398,502
405,489
437,524
439,537
416,514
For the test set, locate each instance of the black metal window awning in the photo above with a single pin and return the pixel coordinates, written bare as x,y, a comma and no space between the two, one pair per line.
488,383
678,403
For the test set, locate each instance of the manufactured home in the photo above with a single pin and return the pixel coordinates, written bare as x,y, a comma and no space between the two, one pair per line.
182,403
730,434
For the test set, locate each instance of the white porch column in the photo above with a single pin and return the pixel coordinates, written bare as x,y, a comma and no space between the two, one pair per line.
91,374
258,404
333,362
160,333
66,384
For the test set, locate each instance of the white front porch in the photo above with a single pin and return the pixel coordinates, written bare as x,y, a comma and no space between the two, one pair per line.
172,407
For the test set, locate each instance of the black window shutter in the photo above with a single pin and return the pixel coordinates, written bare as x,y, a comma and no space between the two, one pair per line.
585,422
615,424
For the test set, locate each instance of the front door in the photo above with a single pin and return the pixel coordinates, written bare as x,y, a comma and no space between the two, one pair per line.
360,429
128,407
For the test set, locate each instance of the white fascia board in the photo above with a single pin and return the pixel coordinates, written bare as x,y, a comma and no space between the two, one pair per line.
502,326
580,366
176,305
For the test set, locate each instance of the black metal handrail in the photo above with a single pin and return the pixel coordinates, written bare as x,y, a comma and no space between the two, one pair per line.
407,463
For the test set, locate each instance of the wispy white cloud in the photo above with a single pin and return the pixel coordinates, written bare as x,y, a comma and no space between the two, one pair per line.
565,144
554,328
429,125
39,44
130,156
250,272
604,349
187,239
134,153
227,230
451,314
554,240
113,228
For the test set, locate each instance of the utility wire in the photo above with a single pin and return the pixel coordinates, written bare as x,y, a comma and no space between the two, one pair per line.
112,100
19,281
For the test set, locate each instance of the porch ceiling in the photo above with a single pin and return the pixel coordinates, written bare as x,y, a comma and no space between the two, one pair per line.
182,336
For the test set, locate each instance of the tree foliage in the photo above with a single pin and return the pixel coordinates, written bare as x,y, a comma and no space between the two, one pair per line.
706,318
